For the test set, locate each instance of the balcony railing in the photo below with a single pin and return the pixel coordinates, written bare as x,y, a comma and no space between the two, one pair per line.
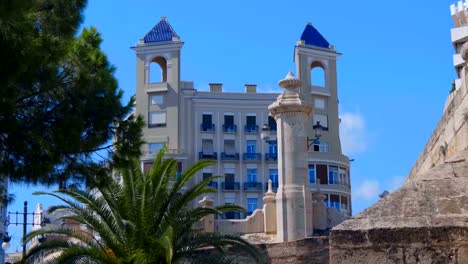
252,186
213,184
271,156
207,127
232,215
252,156
251,128
230,186
225,156
201,155
229,128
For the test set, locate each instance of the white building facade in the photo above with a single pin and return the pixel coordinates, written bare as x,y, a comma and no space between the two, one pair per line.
226,126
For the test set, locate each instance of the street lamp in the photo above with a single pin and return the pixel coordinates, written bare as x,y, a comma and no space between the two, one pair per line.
17,221
318,128
6,241
265,134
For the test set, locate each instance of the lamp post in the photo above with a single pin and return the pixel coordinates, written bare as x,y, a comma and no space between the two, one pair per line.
6,239
318,128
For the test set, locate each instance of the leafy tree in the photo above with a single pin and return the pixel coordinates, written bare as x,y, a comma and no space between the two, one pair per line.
137,218
59,100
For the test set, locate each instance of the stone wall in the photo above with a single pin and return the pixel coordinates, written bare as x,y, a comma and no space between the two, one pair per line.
306,251
449,137
309,250
401,245
254,223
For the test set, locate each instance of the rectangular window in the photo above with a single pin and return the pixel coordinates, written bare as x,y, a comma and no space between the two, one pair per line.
207,147
272,123
335,202
272,147
273,175
343,177
251,120
326,200
207,175
320,146
157,119
229,120
229,177
344,203
251,205
179,169
229,147
319,103
323,119
312,173
251,175
251,146
157,99
321,171
333,175
207,122
154,148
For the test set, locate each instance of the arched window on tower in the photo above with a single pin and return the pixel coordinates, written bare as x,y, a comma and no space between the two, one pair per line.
317,74
158,70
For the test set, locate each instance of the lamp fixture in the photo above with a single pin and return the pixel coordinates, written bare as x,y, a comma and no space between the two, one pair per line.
318,133
265,134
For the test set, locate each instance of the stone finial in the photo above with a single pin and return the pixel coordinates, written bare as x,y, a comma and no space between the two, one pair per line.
206,202
270,186
270,196
290,82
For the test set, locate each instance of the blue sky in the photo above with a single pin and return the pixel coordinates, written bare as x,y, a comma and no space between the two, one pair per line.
393,77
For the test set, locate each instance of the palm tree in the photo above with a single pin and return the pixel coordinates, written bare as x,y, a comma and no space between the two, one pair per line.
137,219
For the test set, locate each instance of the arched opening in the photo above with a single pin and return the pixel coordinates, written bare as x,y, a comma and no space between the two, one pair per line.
317,74
158,70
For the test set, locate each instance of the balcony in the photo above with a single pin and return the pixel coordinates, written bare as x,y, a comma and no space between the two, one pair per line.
252,156
230,186
225,156
251,129
229,128
232,215
202,155
271,156
213,184
252,186
207,127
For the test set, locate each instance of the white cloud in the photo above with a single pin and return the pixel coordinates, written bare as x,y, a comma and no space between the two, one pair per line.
354,138
368,190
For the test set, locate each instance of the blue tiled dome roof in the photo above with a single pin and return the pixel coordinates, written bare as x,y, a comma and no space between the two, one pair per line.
161,32
311,36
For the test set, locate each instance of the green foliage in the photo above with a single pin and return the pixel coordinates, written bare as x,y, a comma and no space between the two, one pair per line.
453,87
138,219
59,99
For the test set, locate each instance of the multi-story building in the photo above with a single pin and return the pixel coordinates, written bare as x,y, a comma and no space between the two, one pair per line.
226,126
459,36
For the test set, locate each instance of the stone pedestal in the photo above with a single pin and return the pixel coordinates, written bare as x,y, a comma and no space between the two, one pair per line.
320,211
293,199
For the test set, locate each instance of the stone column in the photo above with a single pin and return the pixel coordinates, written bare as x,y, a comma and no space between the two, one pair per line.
208,221
293,199
269,210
